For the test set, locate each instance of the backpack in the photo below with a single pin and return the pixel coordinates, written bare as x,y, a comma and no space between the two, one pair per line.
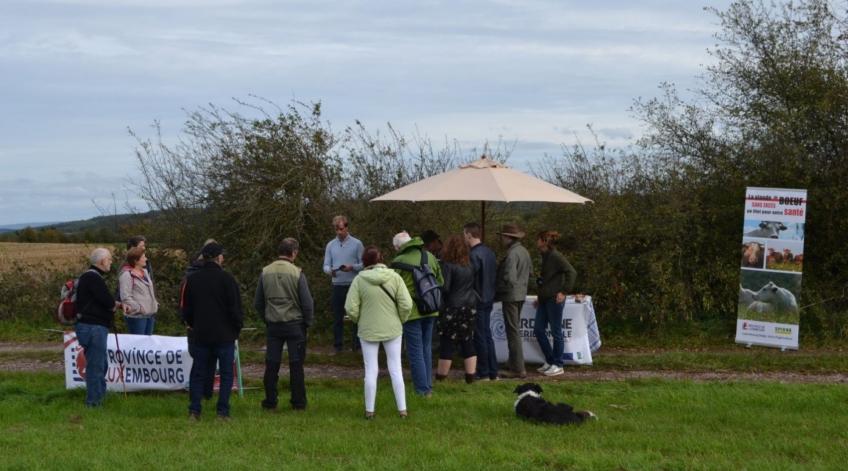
428,295
66,313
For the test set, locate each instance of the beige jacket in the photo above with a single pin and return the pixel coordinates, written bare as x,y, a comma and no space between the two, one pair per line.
137,294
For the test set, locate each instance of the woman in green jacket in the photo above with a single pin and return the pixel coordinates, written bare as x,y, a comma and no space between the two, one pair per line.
379,303
557,279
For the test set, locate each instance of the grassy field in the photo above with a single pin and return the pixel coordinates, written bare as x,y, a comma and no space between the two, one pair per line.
644,424
44,257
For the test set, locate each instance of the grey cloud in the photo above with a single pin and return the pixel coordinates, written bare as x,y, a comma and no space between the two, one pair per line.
470,70
70,196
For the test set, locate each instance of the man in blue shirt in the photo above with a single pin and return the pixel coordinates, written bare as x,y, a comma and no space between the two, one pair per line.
485,270
342,261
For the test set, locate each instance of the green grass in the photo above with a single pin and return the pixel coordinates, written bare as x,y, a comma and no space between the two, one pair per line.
645,424
780,317
731,359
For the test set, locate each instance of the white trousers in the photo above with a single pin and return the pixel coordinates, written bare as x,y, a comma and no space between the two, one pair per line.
370,354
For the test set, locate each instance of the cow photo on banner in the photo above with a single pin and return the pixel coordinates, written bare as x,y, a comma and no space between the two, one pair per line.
772,260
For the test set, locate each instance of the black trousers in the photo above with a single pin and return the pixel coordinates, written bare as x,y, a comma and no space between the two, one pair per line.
293,335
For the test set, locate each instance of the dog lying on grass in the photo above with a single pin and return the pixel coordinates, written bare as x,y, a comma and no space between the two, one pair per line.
530,406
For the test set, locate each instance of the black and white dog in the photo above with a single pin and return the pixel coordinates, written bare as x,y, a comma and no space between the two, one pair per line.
531,406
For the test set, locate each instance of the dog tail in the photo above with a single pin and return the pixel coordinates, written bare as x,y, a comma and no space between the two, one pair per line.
587,415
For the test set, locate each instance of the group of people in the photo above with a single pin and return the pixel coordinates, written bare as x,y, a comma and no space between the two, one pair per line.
379,297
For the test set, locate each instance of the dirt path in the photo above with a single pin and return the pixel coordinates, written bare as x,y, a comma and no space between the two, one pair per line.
16,356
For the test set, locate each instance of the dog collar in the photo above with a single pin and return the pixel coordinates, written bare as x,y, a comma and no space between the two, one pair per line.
525,394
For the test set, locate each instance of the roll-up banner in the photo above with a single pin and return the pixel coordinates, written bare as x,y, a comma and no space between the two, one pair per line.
772,262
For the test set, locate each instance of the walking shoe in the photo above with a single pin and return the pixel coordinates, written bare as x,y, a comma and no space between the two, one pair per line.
369,415
469,378
441,377
403,414
554,370
543,368
223,418
193,417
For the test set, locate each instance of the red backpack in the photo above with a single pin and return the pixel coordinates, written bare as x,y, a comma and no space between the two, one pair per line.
66,313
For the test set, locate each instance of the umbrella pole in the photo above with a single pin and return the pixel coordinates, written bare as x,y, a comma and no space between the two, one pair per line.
482,221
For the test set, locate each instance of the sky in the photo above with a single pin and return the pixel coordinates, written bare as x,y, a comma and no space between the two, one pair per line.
75,75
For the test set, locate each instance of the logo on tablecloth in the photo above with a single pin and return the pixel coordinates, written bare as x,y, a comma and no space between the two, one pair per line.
498,327
77,358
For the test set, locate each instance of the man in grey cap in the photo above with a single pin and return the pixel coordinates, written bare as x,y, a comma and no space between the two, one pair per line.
511,290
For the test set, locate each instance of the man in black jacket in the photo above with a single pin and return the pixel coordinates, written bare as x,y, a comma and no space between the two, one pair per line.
96,308
195,266
212,311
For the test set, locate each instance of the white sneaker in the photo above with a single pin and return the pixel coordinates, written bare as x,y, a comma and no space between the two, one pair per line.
543,368
553,371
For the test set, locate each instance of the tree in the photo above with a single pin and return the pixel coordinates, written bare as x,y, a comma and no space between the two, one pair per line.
772,111
241,180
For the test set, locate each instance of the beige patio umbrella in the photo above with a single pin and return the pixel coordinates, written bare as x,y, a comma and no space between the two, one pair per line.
483,180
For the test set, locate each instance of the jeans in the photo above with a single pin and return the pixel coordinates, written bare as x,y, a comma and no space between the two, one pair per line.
549,315
209,375
92,338
487,360
418,335
512,317
370,354
294,336
140,325
337,300
205,353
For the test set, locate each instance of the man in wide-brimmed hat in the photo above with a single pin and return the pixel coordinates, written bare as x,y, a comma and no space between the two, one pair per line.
511,290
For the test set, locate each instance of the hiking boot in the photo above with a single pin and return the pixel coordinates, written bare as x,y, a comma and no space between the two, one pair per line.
554,370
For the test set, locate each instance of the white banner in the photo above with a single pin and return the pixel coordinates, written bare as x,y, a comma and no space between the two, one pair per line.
579,326
772,267
144,362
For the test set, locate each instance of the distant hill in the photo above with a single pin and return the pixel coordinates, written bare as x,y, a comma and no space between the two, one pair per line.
109,223
100,222
16,227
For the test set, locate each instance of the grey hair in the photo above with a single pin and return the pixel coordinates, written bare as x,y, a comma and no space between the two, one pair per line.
98,254
400,238
288,247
